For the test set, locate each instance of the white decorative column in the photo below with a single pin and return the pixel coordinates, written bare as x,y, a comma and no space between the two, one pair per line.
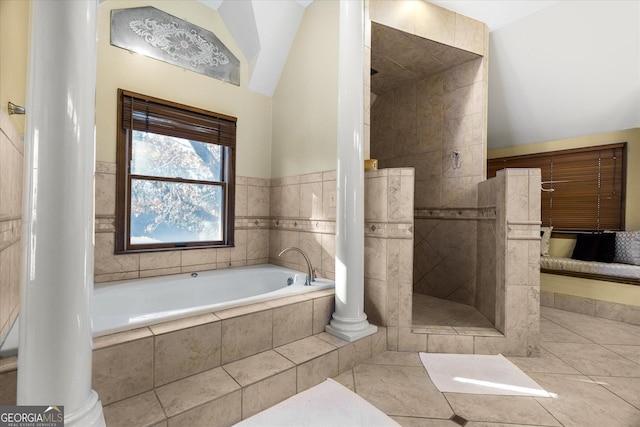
349,321
55,350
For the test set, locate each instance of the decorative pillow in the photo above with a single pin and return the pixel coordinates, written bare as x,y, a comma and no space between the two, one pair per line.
545,240
627,247
586,248
606,247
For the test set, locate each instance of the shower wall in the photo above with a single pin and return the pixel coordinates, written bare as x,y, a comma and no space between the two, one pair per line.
436,125
11,156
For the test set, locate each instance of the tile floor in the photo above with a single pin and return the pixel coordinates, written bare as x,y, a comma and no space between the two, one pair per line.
430,311
592,364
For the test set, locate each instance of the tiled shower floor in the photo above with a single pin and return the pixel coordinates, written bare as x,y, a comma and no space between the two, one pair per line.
431,311
592,364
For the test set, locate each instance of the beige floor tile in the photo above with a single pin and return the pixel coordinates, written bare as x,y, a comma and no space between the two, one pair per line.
221,412
507,409
601,331
582,402
332,339
593,359
186,394
481,424
424,422
346,379
397,358
550,331
141,410
478,331
400,390
546,363
255,368
627,389
430,311
631,352
305,349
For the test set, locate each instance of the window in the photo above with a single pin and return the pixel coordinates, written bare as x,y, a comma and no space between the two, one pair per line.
175,176
588,186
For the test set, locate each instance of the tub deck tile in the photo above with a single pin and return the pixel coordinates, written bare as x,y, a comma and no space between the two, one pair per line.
305,349
268,392
190,392
121,338
241,311
142,410
179,324
256,368
222,412
288,300
185,352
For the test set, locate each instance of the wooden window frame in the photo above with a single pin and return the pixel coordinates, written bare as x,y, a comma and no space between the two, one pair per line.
574,174
174,120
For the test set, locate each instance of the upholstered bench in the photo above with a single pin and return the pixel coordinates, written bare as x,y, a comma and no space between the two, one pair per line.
610,272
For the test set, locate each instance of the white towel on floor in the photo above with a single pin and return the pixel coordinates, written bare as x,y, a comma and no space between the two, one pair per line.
479,374
327,404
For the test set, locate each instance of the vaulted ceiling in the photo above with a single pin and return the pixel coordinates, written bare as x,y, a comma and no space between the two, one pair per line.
557,69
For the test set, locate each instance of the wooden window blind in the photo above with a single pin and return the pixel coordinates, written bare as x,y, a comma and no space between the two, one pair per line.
148,114
584,188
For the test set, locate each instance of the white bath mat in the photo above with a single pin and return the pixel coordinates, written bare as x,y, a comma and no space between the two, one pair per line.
479,374
327,404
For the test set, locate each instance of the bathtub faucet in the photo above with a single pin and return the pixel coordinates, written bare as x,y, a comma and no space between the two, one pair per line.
311,275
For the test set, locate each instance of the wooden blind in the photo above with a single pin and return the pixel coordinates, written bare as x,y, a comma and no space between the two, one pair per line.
588,186
148,114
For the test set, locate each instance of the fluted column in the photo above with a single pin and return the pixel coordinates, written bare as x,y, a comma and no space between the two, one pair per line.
55,350
349,321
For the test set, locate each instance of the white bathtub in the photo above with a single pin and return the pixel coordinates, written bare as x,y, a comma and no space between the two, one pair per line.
130,304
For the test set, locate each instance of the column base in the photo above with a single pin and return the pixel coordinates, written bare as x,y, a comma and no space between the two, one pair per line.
350,329
89,415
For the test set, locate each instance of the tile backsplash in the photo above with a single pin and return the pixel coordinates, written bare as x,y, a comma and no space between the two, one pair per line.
251,226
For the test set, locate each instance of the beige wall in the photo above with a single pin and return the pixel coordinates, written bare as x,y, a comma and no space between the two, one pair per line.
631,136
117,68
14,48
305,102
14,43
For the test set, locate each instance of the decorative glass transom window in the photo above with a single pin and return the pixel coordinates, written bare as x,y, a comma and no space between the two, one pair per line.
175,176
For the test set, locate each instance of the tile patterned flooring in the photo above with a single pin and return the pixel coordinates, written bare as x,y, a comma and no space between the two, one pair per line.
430,311
592,364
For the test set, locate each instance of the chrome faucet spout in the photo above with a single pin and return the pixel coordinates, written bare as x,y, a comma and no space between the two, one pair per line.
311,273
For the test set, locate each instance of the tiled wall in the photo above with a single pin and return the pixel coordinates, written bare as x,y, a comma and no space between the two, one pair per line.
252,225
11,159
485,301
303,212
422,124
517,249
388,247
